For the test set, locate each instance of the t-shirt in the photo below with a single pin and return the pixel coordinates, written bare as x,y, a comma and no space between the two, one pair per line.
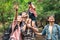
50,30
31,15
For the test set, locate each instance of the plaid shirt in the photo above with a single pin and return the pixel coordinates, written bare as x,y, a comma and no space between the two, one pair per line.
28,34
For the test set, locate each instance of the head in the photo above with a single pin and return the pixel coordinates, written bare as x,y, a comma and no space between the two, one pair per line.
31,5
24,16
51,19
19,18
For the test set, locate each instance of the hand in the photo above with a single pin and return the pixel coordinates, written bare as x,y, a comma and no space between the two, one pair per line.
16,7
28,25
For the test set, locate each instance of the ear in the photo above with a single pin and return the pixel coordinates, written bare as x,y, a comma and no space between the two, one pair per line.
47,19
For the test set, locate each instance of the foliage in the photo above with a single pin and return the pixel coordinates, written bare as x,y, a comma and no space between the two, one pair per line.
43,8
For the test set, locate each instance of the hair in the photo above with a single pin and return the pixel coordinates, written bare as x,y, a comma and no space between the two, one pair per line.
50,16
29,3
24,12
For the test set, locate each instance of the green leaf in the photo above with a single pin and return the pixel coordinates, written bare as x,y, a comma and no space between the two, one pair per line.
26,1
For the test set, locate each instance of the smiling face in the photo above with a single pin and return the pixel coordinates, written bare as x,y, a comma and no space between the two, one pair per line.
24,16
51,19
19,19
31,6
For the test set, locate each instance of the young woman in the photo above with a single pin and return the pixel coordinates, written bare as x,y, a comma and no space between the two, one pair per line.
16,29
32,12
51,30
27,28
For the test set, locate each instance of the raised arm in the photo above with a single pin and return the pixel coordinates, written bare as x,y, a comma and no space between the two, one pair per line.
15,17
16,9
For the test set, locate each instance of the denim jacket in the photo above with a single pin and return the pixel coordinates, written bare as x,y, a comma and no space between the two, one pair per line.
55,32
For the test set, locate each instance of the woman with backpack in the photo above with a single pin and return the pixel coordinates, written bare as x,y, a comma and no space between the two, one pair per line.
16,29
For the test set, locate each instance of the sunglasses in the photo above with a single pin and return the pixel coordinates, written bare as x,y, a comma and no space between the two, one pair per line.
24,17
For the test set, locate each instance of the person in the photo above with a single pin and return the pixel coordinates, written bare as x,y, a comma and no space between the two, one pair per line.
27,29
51,30
16,31
31,11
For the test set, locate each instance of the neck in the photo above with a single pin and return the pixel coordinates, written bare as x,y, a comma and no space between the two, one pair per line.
51,23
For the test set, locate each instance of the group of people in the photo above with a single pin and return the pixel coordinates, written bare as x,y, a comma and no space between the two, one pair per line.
24,26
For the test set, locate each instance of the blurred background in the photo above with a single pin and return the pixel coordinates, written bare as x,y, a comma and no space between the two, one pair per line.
44,8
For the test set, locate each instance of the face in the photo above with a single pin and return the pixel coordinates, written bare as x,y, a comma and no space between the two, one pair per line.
31,6
19,19
24,16
51,19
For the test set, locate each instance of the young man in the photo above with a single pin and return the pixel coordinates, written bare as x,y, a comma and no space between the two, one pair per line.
51,30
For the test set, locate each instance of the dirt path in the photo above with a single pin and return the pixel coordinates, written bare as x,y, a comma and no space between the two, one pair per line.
37,38
0,36
40,38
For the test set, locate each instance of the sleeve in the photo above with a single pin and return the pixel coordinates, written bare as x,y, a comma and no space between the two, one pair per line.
44,31
58,31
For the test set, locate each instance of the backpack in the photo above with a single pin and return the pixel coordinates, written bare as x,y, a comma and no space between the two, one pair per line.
7,33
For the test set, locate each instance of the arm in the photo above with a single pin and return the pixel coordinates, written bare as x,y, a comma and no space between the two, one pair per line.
34,29
37,33
16,9
43,32
58,31
15,18
34,11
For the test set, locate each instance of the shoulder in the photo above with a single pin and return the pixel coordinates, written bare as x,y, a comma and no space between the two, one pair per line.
46,26
56,24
